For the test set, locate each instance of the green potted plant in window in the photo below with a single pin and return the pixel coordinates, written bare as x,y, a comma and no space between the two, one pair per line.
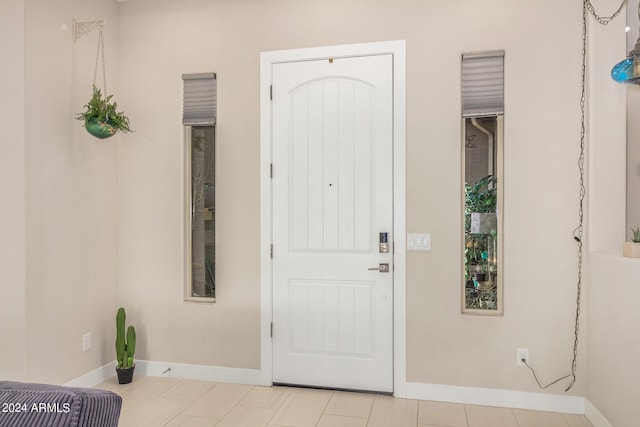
479,226
125,348
101,117
632,249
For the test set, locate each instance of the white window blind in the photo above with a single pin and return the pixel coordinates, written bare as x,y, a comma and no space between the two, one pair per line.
482,83
200,99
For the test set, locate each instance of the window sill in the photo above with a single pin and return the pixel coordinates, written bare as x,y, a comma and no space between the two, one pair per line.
614,256
200,300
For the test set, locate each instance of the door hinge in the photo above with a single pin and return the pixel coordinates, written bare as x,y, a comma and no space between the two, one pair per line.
271,170
271,92
271,255
271,332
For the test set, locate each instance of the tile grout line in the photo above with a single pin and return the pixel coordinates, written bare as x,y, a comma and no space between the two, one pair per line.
288,394
466,416
375,397
325,408
515,417
235,404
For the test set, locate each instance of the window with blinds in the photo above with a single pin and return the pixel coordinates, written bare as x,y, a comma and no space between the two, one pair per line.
482,165
199,117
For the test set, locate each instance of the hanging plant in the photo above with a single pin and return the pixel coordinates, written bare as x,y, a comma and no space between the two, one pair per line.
101,118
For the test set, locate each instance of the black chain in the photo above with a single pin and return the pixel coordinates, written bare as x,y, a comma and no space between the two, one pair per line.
104,67
604,20
579,231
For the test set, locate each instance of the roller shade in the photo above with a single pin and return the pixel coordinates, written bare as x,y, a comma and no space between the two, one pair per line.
200,98
482,83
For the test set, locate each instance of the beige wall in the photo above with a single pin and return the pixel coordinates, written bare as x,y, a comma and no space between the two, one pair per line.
633,160
12,173
60,211
614,348
606,146
612,316
633,131
161,40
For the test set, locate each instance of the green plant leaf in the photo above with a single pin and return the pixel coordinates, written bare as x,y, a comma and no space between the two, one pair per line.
103,110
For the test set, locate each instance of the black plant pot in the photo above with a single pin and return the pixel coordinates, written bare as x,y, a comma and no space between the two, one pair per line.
125,375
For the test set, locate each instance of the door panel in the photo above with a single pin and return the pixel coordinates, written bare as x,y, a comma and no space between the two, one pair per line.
327,321
332,196
329,204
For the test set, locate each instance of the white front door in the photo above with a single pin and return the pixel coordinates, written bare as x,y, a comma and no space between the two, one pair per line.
332,124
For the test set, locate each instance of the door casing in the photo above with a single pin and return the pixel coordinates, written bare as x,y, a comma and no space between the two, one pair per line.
267,59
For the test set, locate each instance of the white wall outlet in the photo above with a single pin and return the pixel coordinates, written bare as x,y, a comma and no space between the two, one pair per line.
522,353
86,342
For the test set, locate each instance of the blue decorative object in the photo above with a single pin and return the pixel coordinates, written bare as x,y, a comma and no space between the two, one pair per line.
628,70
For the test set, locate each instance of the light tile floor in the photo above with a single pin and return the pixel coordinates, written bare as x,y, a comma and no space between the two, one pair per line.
156,402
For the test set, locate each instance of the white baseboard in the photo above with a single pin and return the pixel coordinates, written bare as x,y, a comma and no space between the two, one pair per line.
199,372
94,377
594,416
177,370
499,398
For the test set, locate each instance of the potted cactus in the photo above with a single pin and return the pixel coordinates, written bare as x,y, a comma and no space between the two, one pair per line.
125,348
632,249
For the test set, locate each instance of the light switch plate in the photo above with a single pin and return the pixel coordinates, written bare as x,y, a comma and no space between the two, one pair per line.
419,242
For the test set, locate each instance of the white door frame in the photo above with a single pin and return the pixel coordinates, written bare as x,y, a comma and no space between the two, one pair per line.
267,59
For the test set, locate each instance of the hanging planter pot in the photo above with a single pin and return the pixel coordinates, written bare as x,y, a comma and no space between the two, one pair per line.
100,129
101,118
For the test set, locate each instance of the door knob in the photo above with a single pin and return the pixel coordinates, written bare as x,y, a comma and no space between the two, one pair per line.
383,268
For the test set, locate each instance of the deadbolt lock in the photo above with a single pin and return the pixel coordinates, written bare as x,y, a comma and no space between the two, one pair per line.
384,243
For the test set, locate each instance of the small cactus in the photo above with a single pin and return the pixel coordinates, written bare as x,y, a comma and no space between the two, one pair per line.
636,235
131,344
120,339
125,346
